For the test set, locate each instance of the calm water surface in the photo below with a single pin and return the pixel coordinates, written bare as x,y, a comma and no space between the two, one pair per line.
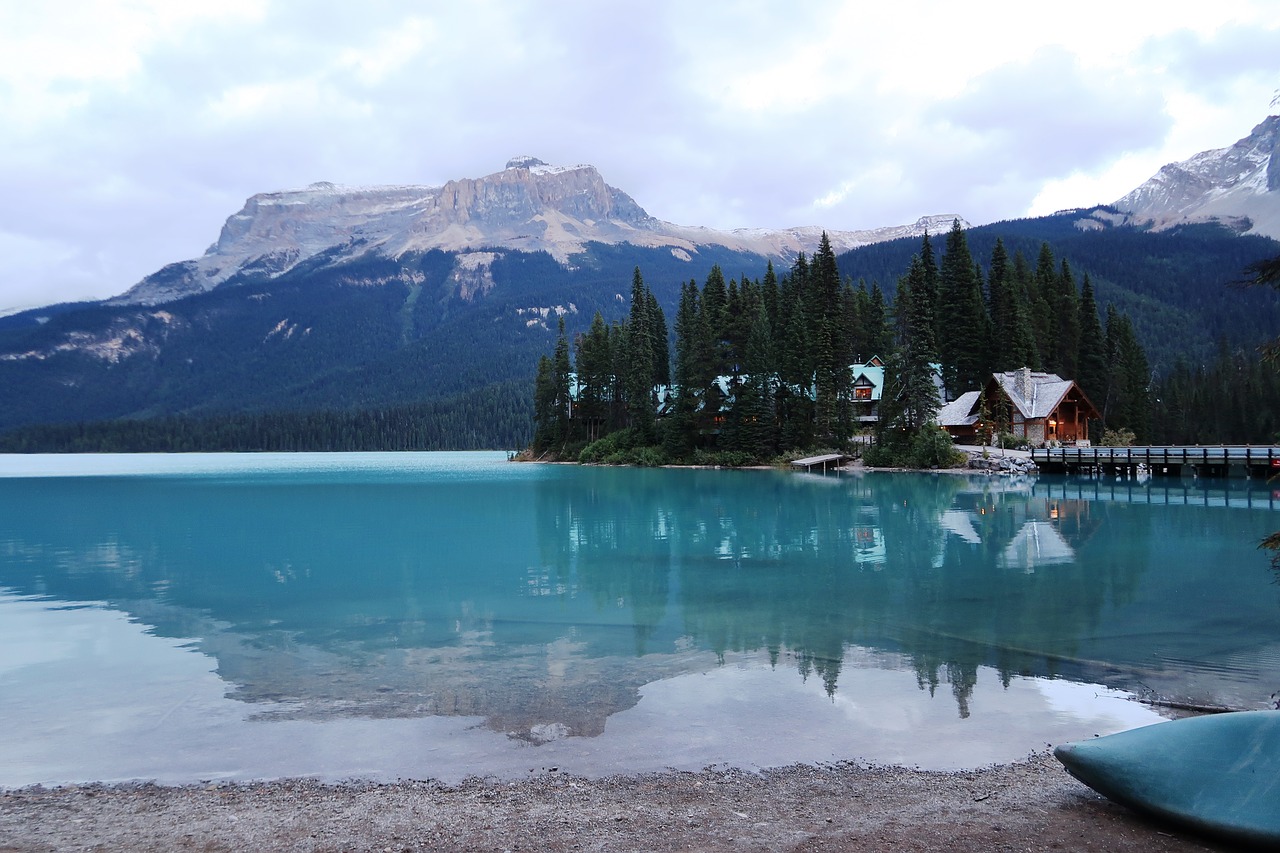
194,617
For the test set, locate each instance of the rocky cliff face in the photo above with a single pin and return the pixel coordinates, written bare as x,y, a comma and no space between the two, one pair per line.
528,206
1238,186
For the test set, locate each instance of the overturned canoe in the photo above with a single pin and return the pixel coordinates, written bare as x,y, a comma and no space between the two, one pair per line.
1218,774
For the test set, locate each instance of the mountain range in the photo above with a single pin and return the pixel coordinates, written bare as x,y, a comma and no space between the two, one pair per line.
331,298
527,207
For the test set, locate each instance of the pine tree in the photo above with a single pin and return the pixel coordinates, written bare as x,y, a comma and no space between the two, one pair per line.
640,361
1044,283
912,401
1066,308
830,364
962,337
876,323
681,432
544,406
1091,361
770,296
1013,343
1024,293
715,300
794,355
562,369
927,287
659,341
594,365
1128,394
751,423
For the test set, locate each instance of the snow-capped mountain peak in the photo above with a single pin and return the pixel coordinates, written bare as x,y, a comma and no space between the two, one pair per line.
1238,185
530,206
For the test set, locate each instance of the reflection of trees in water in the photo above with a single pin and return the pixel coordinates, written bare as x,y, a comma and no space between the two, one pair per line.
758,561
631,560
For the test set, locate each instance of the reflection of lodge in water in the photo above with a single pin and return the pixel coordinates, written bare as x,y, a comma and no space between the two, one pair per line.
1034,533
948,572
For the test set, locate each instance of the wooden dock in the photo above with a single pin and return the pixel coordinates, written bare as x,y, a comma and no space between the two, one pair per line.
826,461
1220,460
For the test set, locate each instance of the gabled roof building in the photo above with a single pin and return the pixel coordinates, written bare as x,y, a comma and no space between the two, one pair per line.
1041,408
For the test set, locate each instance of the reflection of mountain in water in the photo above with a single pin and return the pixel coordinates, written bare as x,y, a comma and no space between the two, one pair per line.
544,602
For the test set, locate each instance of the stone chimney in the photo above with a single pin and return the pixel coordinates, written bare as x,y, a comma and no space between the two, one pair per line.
1022,382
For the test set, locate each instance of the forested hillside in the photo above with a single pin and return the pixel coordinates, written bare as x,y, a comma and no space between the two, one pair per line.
353,339
357,337
1179,287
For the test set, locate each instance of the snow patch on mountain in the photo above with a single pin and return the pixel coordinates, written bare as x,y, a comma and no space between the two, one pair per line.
529,206
1238,186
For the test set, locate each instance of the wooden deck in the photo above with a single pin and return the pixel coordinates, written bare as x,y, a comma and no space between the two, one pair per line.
1218,460
825,462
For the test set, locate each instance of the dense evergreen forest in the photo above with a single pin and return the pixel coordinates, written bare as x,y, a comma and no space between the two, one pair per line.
761,366
497,416
1179,287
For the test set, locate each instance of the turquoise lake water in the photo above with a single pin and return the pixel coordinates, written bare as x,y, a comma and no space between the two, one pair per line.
439,615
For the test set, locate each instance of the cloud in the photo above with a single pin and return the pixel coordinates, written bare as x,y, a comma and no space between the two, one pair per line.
1210,64
134,129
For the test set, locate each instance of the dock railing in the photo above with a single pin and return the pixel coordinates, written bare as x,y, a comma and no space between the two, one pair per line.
1253,457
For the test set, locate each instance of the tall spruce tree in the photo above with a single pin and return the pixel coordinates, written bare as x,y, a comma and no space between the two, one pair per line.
562,373
830,362
1091,361
750,424
1013,343
910,394
794,354
544,406
962,333
681,432
1044,286
1066,309
640,360
594,365
1024,291
1128,378
770,296
928,287
879,333
659,341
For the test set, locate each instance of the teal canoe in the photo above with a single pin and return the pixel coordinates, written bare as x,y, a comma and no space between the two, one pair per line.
1218,774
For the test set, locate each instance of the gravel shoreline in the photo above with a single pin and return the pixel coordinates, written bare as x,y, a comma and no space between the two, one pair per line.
1030,805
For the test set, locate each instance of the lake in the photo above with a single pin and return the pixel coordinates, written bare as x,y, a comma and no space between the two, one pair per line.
196,617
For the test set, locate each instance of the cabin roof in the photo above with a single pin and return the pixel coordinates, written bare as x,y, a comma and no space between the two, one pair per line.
960,411
1035,394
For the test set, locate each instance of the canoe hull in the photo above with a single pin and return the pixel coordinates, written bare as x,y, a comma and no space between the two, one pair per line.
1218,774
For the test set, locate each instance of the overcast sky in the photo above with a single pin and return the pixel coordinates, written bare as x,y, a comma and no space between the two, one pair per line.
132,129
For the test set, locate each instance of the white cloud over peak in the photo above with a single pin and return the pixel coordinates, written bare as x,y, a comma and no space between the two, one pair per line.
134,128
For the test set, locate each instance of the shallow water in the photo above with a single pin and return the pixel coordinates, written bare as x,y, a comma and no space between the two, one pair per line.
191,617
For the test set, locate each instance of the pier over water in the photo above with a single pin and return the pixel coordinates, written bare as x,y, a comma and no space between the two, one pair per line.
1221,460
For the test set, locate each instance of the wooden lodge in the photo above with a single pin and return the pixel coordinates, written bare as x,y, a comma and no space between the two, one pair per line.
1041,408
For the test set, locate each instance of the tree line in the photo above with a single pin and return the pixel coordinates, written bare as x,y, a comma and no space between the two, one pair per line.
494,417
762,366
